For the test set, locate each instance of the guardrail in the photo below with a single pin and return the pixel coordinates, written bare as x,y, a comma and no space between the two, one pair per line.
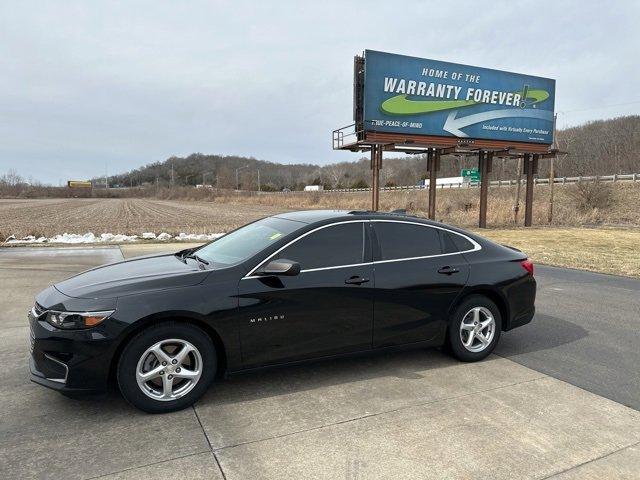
629,177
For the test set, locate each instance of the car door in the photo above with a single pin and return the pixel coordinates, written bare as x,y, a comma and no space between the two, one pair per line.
416,281
326,309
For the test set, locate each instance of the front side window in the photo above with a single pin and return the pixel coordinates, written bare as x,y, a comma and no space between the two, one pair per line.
244,243
333,246
405,240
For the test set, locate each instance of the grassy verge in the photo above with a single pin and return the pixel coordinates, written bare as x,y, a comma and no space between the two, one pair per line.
606,250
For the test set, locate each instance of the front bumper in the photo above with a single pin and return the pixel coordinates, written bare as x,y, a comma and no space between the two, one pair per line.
74,361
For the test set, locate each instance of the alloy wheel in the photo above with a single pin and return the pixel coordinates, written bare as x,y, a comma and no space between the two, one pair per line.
477,329
169,369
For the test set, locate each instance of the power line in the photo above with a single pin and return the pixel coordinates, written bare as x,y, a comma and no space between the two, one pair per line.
600,107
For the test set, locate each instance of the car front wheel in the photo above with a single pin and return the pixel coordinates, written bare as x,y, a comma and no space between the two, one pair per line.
475,329
166,367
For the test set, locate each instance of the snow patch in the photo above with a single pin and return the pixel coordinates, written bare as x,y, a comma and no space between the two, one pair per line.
197,236
75,238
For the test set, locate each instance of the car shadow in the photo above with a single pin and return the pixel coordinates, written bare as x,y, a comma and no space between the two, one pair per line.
318,374
543,333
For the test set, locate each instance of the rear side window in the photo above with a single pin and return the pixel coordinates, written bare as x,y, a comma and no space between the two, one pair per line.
462,243
447,243
405,240
333,246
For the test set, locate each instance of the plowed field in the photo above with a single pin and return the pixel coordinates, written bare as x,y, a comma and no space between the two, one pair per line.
127,216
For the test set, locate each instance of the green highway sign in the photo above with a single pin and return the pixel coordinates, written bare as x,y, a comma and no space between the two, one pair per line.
470,174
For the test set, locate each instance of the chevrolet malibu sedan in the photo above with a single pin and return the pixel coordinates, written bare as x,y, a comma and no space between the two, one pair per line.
287,288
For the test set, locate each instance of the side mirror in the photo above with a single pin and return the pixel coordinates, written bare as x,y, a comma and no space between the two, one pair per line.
281,267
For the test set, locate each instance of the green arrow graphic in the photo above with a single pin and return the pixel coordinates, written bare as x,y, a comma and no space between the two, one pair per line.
401,105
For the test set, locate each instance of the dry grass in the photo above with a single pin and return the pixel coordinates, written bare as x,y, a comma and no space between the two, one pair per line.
460,206
606,250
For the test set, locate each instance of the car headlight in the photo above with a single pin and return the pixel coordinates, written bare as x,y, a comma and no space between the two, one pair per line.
76,320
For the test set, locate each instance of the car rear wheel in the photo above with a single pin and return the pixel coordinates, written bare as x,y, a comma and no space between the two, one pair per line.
166,368
475,329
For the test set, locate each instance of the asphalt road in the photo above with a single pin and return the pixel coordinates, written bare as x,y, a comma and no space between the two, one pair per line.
586,332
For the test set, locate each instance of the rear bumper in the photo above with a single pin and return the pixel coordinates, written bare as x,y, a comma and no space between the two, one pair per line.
521,299
521,319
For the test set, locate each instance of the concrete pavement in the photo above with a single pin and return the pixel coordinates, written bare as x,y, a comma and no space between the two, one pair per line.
413,414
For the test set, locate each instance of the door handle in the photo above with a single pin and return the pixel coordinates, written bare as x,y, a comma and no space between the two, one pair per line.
448,270
356,280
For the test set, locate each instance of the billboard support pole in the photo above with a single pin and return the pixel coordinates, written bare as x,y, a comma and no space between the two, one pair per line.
379,167
484,165
376,164
552,172
433,165
516,205
530,166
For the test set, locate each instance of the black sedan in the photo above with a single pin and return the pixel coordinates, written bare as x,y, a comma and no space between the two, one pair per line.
287,288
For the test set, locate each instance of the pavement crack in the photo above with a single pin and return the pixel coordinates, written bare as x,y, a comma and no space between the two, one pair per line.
143,466
213,452
589,461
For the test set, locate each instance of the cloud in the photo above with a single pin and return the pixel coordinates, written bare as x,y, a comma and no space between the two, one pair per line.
94,85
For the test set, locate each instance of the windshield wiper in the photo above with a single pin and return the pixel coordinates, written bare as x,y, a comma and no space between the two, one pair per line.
190,253
196,257
183,253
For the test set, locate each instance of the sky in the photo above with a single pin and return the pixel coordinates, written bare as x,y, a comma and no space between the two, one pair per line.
91,86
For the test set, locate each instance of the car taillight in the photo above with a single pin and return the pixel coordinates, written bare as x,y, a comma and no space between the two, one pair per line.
528,266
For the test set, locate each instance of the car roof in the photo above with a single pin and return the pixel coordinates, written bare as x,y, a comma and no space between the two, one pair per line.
319,216
312,216
326,216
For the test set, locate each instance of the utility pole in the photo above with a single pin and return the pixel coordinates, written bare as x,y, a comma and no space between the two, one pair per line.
552,172
516,205
237,170
157,184
172,182
258,180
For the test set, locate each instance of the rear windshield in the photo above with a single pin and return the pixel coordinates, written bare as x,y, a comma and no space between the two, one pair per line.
244,243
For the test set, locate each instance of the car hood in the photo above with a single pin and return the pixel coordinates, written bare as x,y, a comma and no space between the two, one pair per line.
133,276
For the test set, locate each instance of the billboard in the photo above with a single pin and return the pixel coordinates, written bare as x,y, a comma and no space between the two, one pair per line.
428,97
79,184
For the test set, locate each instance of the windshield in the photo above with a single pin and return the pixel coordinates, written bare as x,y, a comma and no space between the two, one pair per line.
242,244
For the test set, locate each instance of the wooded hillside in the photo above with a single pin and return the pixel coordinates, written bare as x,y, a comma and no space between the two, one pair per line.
602,147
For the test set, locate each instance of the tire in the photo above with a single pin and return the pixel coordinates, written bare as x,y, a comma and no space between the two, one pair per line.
177,383
485,339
